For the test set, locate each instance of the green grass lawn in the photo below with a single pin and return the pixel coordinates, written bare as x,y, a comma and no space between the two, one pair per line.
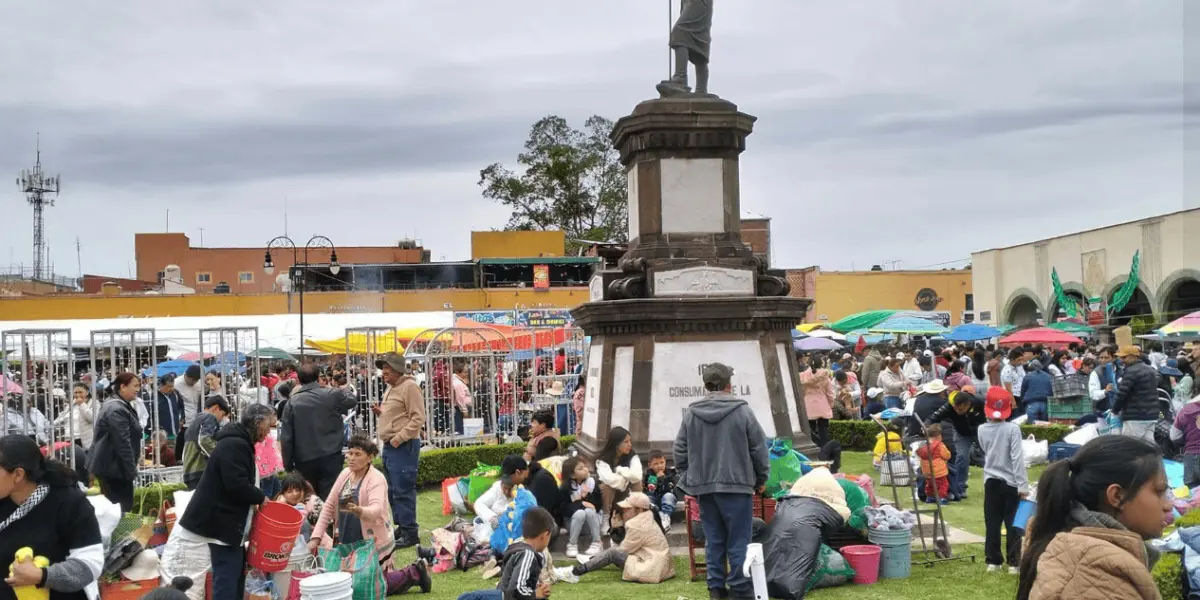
961,580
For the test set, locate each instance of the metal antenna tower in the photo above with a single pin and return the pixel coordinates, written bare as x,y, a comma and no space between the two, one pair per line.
37,187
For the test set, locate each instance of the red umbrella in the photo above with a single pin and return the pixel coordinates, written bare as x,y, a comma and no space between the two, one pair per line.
1040,335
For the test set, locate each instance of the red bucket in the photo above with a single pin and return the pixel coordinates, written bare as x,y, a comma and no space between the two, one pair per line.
273,536
865,562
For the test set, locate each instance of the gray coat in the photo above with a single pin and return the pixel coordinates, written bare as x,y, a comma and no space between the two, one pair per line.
311,426
721,448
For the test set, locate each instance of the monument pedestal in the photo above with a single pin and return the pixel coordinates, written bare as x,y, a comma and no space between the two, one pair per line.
689,291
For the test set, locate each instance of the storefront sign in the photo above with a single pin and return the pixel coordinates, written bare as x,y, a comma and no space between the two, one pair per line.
927,299
1097,312
534,317
541,277
676,382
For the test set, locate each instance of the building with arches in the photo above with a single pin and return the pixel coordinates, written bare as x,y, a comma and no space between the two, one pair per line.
1012,285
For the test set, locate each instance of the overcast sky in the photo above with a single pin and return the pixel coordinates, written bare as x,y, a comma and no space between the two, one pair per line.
905,130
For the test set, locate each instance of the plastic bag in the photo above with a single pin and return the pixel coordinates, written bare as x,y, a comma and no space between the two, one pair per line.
186,559
509,528
786,468
1036,453
482,479
1083,435
832,570
259,586
448,485
361,559
107,515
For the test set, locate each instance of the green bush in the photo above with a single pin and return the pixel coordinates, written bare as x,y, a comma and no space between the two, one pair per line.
437,465
860,435
1168,576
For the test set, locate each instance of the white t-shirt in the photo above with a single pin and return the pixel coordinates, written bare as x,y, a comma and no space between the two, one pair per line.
191,395
1014,375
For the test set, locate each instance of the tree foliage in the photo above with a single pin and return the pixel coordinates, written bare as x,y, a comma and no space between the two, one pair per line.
570,180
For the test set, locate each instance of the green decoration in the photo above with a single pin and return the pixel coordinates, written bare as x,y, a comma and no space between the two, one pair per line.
1064,301
1125,293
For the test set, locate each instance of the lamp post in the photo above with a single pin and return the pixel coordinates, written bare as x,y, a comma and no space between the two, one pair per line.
284,242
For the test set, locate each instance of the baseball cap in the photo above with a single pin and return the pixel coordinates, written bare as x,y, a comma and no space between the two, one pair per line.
999,403
1129,351
394,360
716,374
636,500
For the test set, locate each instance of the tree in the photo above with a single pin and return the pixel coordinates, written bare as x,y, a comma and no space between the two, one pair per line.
571,180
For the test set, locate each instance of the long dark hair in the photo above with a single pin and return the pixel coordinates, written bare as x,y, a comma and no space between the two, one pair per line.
568,476
1084,479
978,363
19,451
616,436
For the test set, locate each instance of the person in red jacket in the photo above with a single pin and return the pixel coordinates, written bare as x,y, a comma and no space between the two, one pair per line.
933,455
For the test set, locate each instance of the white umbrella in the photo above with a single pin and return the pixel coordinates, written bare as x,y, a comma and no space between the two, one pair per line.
827,334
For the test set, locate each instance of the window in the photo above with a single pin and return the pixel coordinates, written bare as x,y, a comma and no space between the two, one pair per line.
246,277
161,275
204,277
970,302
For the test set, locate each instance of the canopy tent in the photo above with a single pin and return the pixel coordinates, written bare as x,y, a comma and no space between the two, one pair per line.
358,344
1072,328
828,334
194,356
868,338
171,367
972,332
908,325
815,344
1040,335
862,320
516,338
270,353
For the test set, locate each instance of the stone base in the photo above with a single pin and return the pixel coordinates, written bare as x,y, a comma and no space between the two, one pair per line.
643,366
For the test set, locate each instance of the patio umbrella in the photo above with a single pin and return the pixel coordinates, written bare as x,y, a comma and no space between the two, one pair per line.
871,339
807,327
909,325
828,334
862,320
815,344
1189,324
1072,327
8,386
1040,335
972,332
270,353
194,356
170,367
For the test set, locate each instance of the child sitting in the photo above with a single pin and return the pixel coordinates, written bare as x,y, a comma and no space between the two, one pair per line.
579,506
523,562
296,492
660,487
1005,482
933,455
494,501
644,554
892,445
619,471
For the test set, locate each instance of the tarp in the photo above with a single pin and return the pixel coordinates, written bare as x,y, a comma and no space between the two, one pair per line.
271,354
170,367
358,344
909,325
972,332
869,338
862,320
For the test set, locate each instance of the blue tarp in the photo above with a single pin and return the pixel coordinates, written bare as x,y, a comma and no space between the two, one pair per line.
170,367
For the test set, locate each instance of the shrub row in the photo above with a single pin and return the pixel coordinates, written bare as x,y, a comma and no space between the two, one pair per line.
860,435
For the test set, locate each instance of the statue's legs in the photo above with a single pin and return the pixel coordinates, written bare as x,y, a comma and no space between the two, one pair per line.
681,66
701,78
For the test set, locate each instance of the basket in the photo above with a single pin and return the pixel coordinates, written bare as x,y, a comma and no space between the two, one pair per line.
894,470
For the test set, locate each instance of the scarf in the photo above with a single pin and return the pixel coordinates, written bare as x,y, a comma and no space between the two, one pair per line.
34,499
1082,517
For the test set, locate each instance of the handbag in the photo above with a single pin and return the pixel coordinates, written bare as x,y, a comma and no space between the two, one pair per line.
311,566
361,560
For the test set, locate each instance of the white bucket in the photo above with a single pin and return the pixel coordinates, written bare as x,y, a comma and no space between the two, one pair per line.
327,586
472,427
283,579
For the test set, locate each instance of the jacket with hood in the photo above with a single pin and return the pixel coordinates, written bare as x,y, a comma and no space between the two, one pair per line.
1037,386
522,567
1137,394
721,448
870,370
1098,559
544,487
648,553
227,490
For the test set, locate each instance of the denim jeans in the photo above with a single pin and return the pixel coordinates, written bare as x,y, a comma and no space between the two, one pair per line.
563,417
482,595
400,464
666,506
1036,410
228,569
962,465
727,520
586,516
893,402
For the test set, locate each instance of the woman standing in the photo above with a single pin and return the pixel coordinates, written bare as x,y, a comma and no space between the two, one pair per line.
894,383
79,421
978,373
818,399
118,439
619,471
1095,511
42,508
955,379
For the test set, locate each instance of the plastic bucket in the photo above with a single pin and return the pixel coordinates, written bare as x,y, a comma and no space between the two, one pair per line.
273,536
895,561
327,586
865,562
1025,511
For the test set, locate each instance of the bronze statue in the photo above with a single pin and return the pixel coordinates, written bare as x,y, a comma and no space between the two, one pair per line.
690,40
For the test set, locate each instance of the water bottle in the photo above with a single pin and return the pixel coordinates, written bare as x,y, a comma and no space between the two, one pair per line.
755,569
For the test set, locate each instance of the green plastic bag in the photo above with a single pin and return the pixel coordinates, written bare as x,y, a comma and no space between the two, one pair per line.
786,469
857,500
832,570
482,479
360,559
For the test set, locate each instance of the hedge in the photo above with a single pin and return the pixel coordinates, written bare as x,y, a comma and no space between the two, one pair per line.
437,465
1168,572
860,435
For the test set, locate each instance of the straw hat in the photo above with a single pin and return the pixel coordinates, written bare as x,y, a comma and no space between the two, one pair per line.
143,567
556,389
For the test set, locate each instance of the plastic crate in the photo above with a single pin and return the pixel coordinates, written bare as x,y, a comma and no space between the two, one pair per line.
1069,386
1069,407
1061,450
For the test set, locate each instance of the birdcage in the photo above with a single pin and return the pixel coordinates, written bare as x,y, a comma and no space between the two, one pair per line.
365,347
459,370
115,351
233,368
34,402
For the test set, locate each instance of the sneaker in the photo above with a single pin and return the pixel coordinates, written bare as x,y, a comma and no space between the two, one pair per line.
605,526
1014,570
490,564
930,500
667,528
595,548
426,554
424,581
944,502
492,572
583,559
993,568
572,550
715,593
566,574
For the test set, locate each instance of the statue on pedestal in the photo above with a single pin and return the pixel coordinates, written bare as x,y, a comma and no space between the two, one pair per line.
690,40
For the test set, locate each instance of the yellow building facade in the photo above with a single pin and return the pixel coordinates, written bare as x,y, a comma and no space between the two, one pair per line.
838,294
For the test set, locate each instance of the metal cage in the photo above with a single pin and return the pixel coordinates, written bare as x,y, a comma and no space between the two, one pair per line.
31,407
546,367
234,369
365,346
452,358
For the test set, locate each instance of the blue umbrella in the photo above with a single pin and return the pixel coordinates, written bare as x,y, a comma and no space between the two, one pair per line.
870,339
910,326
972,332
170,367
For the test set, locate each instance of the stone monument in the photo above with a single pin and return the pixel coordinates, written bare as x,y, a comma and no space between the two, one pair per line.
688,291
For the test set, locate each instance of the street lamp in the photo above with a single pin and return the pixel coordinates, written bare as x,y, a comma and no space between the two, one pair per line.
284,242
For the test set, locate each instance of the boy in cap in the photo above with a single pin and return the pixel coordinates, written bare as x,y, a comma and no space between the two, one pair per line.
721,457
1005,482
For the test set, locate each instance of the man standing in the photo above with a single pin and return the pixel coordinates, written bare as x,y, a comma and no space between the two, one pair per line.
721,456
401,419
1137,396
190,392
311,431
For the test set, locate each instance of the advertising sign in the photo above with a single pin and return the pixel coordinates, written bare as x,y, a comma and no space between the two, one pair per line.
1097,312
533,317
541,277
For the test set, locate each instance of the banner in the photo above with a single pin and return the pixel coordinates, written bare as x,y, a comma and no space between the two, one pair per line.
533,317
541,277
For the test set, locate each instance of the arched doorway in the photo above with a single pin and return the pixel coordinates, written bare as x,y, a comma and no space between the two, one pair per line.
1139,308
1057,312
1182,299
1024,311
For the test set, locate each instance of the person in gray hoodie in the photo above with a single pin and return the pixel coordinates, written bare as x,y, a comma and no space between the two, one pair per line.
721,457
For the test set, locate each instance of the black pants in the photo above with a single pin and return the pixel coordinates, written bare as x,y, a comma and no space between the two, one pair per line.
228,571
999,507
179,444
820,431
322,473
118,491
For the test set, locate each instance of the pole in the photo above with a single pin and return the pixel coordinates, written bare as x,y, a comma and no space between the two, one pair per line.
302,283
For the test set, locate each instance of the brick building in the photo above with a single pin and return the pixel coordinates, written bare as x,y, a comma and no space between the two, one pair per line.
756,233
